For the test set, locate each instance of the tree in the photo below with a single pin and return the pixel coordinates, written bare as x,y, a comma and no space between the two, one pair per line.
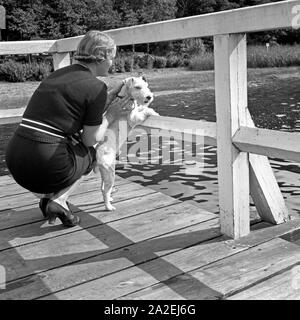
104,15
21,19
157,10
71,15
129,16
196,7
138,12
24,23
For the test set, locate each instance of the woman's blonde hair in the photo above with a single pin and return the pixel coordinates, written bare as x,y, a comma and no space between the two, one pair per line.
95,46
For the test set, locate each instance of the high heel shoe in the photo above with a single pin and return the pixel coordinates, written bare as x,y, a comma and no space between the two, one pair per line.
42,204
54,210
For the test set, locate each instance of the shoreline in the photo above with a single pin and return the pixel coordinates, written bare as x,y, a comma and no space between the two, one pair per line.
17,95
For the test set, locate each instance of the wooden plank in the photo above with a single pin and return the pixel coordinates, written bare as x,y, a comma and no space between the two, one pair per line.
215,280
2,18
79,202
264,189
165,126
271,143
11,115
31,214
8,179
107,263
61,60
231,105
90,216
284,286
9,188
95,196
216,251
27,47
254,18
110,262
92,182
268,233
68,248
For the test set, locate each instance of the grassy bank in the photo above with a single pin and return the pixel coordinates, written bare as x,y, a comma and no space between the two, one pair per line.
257,57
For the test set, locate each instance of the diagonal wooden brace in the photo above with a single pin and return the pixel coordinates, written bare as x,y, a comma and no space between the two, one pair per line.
264,188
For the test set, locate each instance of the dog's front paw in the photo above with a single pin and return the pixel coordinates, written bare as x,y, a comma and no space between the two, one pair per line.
137,117
109,207
151,112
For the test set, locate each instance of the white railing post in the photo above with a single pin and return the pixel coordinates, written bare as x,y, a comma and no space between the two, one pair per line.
2,20
61,60
230,53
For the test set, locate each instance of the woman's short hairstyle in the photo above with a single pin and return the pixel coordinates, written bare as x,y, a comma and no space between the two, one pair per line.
95,46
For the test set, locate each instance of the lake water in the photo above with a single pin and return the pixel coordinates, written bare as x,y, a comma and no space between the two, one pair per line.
274,103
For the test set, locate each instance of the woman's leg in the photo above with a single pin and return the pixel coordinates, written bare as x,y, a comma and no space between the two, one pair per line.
62,196
44,199
58,206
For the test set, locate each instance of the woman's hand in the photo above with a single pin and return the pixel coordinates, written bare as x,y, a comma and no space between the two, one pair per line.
120,107
113,91
116,88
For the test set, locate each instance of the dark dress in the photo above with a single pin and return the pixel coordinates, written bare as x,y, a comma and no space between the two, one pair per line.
41,156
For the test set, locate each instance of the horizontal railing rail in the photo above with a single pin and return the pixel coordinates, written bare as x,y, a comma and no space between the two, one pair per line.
270,143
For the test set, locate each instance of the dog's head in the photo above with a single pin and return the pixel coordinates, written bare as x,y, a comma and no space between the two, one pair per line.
137,89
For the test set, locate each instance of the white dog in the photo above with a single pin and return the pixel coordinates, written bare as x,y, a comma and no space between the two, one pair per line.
137,89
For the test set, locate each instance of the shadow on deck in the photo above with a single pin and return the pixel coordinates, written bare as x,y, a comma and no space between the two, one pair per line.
152,247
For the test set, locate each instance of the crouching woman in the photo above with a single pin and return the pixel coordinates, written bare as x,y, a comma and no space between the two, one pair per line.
53,147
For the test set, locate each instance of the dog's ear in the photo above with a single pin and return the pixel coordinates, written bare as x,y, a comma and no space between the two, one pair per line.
122,92
144,78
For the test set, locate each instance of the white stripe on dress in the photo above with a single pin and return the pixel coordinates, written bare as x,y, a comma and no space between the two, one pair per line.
34,128
42,124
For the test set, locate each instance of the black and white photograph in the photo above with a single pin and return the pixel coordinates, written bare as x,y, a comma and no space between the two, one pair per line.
150,153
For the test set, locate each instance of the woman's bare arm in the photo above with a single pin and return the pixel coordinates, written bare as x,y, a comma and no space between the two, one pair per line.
91,135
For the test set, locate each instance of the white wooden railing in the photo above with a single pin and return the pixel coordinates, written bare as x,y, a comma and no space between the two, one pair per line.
243,166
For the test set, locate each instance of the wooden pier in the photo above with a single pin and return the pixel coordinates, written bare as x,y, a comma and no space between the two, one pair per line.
152,247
